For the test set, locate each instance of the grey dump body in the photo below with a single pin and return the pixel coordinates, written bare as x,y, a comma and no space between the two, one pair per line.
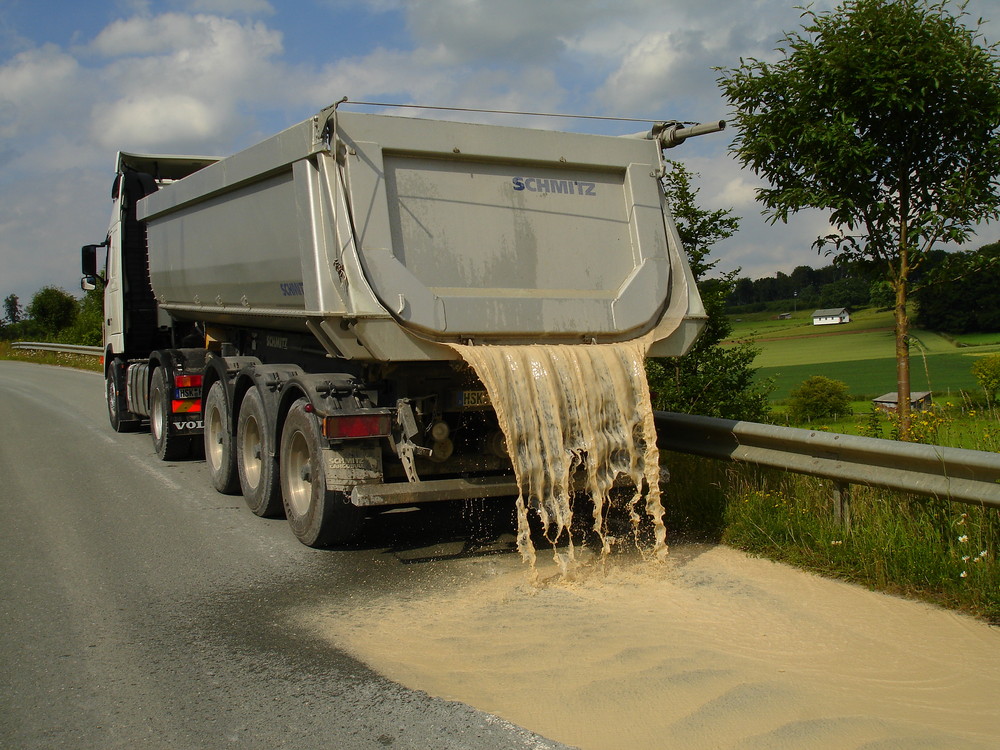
388,237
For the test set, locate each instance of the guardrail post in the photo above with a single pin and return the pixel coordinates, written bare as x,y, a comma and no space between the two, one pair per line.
842,504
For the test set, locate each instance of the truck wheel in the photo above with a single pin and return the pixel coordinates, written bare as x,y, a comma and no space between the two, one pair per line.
168,447
122,420
256,459
319,517
219,454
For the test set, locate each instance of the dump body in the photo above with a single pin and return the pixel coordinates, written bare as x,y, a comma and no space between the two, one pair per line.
387,238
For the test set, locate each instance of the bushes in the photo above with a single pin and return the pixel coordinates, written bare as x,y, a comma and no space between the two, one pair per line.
55,315
819,397
986,370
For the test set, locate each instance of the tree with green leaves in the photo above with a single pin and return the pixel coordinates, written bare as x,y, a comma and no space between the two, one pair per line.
885,115
710,379
88,327
963,295
986,371
52,310
818,397
12,308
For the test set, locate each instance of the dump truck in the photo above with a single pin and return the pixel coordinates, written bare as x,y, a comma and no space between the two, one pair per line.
290,310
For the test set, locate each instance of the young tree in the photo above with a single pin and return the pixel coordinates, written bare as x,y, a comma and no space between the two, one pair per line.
12,308
885,115
710,379
818,397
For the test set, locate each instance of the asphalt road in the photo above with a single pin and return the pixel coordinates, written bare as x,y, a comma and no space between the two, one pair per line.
140,608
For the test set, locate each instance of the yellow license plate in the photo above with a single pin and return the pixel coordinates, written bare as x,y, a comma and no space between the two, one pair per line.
475,398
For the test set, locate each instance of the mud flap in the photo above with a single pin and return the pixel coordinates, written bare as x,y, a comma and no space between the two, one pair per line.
350,465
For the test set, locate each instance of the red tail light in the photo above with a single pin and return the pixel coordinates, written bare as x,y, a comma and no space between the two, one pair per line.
187,381
357,426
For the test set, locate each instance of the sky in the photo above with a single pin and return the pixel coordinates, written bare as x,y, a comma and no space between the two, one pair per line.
82,79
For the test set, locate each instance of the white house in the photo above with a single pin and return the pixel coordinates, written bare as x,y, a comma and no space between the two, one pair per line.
831,317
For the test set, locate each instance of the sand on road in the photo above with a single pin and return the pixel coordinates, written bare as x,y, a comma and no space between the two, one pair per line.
713,649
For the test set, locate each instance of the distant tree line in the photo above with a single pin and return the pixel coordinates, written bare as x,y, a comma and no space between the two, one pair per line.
961,291
836,285
54,315
953,292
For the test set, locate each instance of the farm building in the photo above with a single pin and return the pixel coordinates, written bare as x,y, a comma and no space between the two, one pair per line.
832,316
919,401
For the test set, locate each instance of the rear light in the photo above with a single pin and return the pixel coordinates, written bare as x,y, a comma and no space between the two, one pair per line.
357,426
187,381
185,406
187,394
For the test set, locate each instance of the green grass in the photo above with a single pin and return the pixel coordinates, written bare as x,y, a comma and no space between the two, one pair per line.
840,347
860,353
949,375
76,361
764,326
959,423
977,339
896,543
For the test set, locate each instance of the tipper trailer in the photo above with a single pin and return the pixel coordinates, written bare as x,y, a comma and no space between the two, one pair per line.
289,309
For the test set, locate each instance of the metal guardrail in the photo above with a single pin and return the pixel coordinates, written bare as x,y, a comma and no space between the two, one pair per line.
931,470
62,348
959,474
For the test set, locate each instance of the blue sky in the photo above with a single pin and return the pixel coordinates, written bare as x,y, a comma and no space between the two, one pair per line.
82,79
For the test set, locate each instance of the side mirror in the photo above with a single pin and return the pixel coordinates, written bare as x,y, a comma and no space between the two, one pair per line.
88,254
88,257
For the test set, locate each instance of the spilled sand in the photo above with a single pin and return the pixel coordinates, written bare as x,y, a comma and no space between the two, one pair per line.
712,649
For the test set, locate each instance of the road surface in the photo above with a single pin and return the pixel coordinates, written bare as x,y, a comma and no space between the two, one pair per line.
141,609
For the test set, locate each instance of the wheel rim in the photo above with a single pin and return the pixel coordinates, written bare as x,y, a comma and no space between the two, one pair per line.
251,451
112,395
156,413
298,474
214,433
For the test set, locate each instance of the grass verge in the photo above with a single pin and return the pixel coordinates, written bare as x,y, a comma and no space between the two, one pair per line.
933,550
76,361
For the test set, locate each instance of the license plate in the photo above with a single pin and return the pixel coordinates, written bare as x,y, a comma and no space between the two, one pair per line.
475,398
187,393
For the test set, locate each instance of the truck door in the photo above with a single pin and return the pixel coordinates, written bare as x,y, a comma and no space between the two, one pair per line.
114,311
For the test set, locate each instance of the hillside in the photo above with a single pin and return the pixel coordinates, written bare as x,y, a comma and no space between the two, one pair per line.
860,353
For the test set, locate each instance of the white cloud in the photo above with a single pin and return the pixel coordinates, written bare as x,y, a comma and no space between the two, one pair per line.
739,192
512,31
189,85
34,85
155,121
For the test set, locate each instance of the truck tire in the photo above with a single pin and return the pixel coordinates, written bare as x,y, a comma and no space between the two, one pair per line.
168,447
319,517
122,420
256,459
219,453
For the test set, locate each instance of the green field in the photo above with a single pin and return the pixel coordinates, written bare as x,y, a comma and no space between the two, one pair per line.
860,353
